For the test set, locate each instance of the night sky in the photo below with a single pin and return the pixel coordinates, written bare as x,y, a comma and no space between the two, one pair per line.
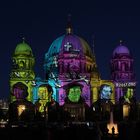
41,22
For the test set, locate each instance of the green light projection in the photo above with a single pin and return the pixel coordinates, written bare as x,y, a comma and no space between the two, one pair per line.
22,69
74,93
43,96
128,95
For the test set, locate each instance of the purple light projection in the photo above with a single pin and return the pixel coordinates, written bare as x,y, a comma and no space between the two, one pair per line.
122,71
20,91
72,65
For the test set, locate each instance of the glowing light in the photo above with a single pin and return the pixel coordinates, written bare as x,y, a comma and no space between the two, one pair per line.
126,110
3,123
111,126
21,108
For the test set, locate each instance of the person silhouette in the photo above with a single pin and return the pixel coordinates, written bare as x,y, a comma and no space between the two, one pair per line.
113,130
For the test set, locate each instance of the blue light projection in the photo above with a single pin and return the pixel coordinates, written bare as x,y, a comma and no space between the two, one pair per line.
105,91
55,84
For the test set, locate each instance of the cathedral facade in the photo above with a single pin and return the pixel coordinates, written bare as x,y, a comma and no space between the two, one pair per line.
71,78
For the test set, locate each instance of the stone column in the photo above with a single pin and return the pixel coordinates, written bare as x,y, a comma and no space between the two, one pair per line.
94,94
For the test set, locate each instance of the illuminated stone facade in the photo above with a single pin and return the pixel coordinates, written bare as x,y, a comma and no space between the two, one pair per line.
72,73
22,70
122,73
70,61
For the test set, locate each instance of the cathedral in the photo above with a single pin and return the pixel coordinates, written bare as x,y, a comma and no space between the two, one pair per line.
72,80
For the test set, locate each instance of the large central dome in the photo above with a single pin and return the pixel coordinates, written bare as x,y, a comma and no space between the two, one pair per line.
68,41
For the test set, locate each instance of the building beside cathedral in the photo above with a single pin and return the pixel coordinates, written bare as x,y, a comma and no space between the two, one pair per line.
122,72
72,78
22,70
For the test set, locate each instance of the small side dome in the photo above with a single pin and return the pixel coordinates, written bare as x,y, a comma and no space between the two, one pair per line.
23,49
121,49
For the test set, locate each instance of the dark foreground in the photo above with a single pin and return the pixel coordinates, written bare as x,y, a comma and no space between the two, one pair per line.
55,131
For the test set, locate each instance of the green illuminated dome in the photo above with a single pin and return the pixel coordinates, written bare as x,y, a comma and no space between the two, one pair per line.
23,49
